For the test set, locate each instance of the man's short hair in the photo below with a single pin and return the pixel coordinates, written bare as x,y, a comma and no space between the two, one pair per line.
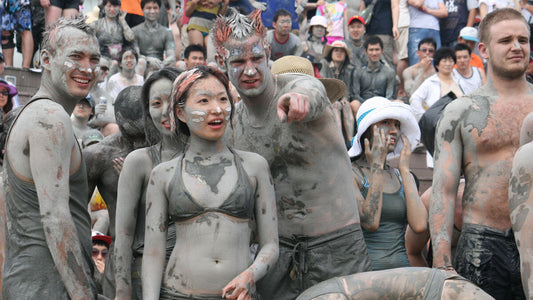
237,26
281,13
427,41
113,2
443,53
126,49
495,17
51,35
193,48
373,40
462,47
144,2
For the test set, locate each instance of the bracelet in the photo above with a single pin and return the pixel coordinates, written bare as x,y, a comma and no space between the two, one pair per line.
446,268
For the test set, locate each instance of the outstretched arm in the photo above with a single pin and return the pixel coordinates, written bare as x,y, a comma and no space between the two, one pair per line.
52,144
267,227
129,194
306,101
446,175
521,207
155,233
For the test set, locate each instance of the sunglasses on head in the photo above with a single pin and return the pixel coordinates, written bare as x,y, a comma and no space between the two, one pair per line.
96,252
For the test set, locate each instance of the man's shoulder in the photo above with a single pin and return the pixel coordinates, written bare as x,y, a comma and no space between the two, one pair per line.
294,37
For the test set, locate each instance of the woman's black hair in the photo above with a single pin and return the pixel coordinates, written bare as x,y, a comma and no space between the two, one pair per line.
443,53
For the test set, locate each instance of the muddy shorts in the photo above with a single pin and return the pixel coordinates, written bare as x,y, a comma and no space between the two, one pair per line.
171,294
306,261
489,258
19,21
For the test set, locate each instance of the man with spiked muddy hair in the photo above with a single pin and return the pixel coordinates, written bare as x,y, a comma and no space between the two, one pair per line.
289,120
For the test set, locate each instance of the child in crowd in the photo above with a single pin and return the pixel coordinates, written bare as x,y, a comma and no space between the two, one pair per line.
202,14
335,12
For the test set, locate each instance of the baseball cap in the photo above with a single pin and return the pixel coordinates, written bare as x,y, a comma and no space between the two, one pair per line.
91,137
469,34
98,236
356,18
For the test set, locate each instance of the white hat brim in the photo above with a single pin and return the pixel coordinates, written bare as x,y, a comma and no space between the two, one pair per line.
397,111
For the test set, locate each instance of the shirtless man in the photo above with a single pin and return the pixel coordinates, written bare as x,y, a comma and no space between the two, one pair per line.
521,203
48,226
102,158
414,75
289,120
478,135
153,42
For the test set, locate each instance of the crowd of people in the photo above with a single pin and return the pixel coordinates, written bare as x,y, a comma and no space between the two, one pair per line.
221,149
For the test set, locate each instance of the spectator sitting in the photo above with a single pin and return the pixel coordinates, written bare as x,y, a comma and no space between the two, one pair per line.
193,56
469,78
373,79
83,111
314,46
357,29
7,92
414,75
127,76
101,244
336,63
468,36
438,85
335,12
153,42
381,25
282,41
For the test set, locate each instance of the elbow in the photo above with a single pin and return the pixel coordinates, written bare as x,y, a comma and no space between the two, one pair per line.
419,227
369,226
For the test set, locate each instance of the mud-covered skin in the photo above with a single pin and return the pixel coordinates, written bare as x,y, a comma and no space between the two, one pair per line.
131,200
478,135
42,149
211,255
154,41
521,206
400,283
100,159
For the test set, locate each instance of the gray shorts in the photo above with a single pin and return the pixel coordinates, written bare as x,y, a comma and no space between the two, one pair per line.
306,261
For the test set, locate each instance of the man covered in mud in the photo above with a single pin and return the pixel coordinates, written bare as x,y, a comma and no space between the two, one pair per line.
478,135
104,162
289,120
154,42
521,203
48,226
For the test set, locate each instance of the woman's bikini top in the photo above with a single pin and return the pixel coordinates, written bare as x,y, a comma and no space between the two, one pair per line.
239,204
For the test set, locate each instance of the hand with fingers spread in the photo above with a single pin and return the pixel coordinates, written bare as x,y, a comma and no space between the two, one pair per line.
405,155
117,165
380,144
292,107
239,287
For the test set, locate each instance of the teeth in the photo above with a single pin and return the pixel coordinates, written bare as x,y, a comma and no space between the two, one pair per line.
81,80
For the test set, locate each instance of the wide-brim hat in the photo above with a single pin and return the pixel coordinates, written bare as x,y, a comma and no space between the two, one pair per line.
335,88
10,88
335,44
377,109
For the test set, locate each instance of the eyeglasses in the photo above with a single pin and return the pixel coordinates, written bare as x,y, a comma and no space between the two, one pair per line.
428,50
4,93
285,21
97,252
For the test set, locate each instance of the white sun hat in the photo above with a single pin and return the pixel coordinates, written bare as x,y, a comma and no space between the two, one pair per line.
377,109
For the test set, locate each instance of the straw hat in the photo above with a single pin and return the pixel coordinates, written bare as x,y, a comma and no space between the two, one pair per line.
336,44
377,109
295,64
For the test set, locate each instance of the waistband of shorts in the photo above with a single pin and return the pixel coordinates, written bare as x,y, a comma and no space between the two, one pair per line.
469,228
312,241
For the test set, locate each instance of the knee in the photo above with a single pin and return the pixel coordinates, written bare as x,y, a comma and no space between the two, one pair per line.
7,40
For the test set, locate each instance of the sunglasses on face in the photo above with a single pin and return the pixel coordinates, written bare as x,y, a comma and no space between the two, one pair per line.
4,93
427,50
97,252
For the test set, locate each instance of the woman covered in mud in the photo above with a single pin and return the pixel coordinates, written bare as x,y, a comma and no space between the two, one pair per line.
390,200
217,198
133,181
